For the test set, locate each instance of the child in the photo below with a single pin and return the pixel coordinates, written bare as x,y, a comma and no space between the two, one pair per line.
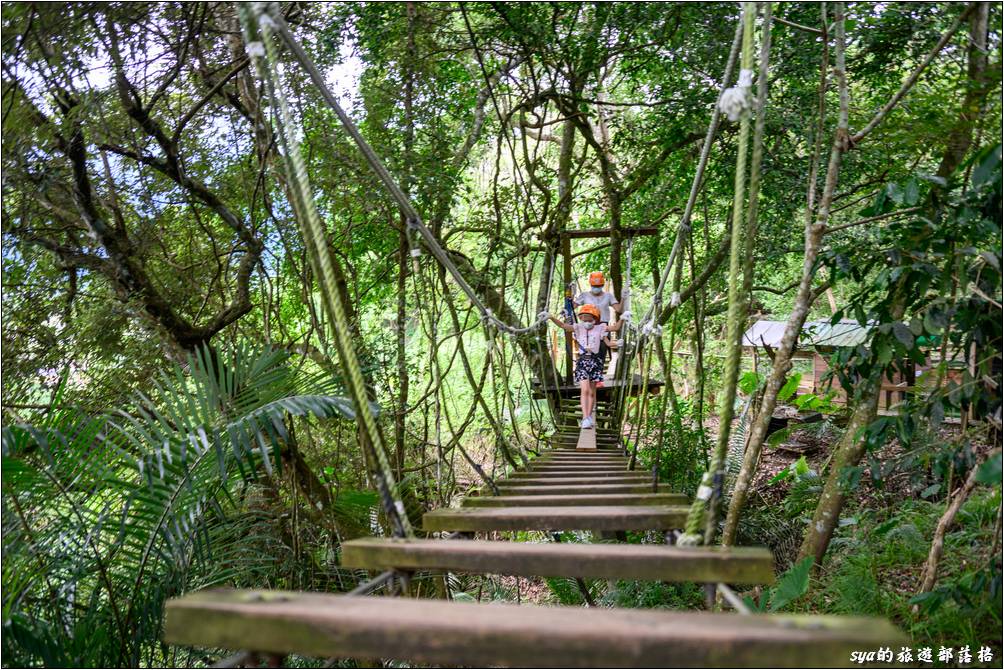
588,334
603,301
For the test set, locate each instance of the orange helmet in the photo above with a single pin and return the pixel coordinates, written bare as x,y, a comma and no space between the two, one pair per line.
591,310
597,279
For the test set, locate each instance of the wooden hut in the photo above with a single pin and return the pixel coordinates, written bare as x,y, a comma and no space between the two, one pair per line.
817,341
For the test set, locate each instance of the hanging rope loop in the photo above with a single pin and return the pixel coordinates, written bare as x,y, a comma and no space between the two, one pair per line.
737,100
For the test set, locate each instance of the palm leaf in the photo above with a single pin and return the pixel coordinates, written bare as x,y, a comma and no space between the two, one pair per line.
119,510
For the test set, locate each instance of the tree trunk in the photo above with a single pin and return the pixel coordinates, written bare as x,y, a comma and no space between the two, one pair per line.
930,574
848,453
402,360
851,447
803,300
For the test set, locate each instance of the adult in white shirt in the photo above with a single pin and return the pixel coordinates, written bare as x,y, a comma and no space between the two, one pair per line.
604,301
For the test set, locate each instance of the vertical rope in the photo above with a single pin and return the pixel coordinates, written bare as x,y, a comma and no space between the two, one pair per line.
323,264
705,505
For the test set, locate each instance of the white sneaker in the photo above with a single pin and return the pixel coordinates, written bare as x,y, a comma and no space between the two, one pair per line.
587,422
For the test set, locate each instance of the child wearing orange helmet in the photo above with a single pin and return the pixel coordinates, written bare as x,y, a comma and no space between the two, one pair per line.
589,334
604,301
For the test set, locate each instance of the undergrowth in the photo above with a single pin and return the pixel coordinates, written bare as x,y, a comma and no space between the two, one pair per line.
874,568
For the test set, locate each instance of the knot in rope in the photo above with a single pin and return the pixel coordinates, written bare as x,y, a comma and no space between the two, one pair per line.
265,12
736,100
255,49
674,300
689,540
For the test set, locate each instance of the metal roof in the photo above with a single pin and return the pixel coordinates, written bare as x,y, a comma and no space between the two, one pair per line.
846,333
764,333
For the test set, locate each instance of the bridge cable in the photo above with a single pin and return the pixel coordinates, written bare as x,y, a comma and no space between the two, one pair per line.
323,264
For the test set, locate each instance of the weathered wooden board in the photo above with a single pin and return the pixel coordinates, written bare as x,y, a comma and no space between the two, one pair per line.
574,473
495,634
587,440
585,460
739,565
601,450
522,489
572,434
601,455
544,480
577,466
576,500
593,517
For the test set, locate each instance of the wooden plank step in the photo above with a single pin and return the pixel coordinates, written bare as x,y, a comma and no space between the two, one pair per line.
585,460
571,433
595,518
587,440
561,488
573,472
598,457
501,634
601,442
558,450
607,464
592,458
577,467
571,424
739,565
647,498
600,449
543,480
602,452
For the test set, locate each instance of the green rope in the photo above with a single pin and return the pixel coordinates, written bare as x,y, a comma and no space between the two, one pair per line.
322,262
705,505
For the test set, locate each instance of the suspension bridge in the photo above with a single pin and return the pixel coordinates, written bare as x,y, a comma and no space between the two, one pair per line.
583,480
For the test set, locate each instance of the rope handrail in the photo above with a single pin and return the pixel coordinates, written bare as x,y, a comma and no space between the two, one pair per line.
270,21
654,313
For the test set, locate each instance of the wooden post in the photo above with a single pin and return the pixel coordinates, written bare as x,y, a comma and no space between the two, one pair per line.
566,278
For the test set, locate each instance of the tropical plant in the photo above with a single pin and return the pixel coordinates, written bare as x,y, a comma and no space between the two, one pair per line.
107,516
790,586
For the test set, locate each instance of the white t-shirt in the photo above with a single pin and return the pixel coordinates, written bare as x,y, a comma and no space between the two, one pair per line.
601,301
589,338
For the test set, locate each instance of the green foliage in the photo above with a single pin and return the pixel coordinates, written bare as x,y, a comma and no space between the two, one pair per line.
790,387
750,381
790,586
874,569
453,100
798,470
123,509
990,471
810,402
654,595
930,278
682,460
